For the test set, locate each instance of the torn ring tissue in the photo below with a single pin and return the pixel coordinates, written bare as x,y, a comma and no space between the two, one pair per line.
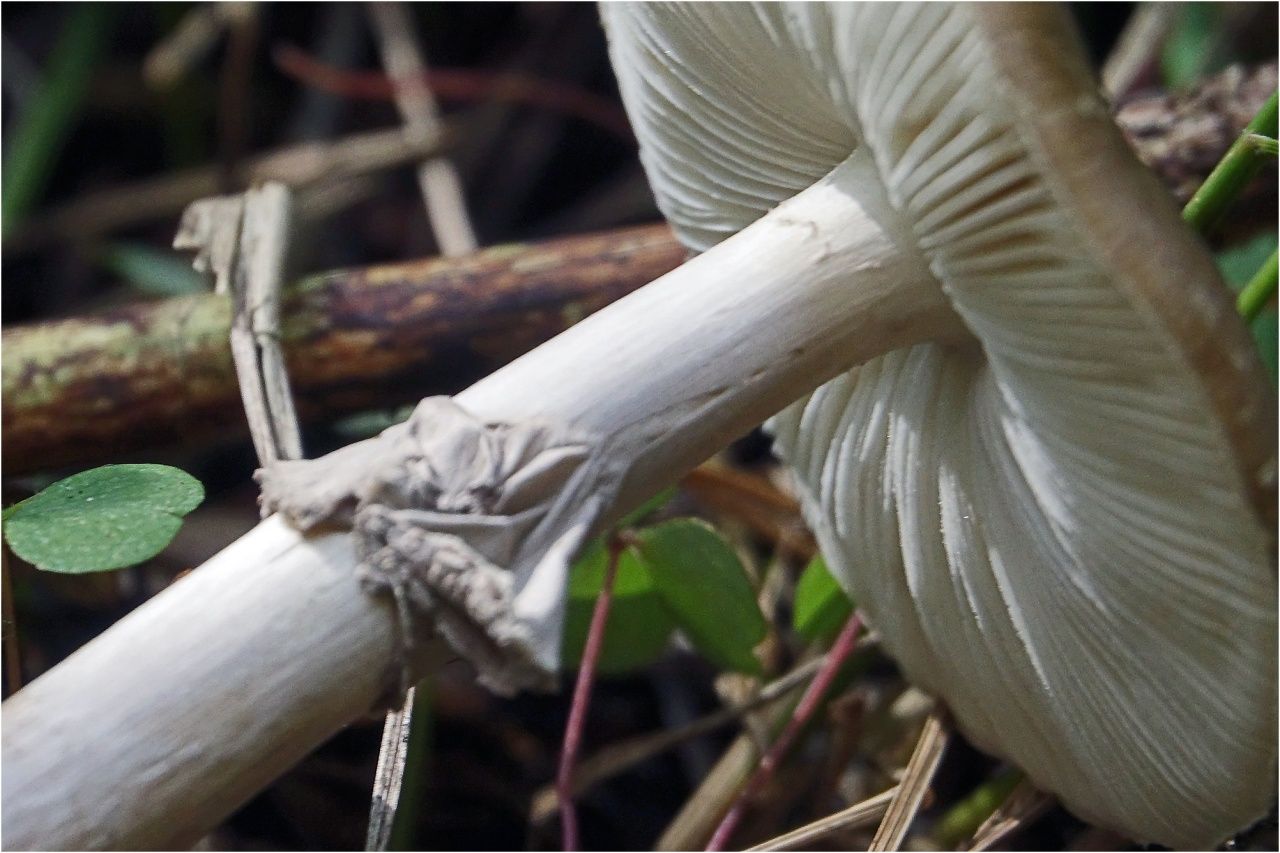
469,526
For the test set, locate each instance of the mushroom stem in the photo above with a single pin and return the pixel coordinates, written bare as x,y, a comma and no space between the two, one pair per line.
184,709
676,370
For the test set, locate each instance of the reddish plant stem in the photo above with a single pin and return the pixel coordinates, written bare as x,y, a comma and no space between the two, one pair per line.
808,705
582,698
458,84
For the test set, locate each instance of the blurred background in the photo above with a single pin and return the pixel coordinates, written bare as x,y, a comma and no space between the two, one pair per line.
116,116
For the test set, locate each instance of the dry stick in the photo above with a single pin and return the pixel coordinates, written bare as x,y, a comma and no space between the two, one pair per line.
809,704
753,500
697,817
621,756
189,42
255,327
858,815
915,784
582,698
235,95
441,186
1137,48
388,778
90,389
1024,804
298,166
447,212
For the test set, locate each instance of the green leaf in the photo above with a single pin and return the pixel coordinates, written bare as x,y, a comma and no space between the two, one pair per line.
821,607
1238,265
639,627
153,271
707,591
102,519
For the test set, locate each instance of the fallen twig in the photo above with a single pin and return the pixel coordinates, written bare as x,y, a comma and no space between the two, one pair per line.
157,374
438,179
1137,49
915,784
860,814
756,502
1023,805
190,42
299,166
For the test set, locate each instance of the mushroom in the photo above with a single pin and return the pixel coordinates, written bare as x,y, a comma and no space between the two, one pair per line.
1044,472
1061,525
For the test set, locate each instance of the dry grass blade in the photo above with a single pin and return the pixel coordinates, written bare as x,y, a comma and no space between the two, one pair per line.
1023,805
298,166
441,186
188,43
755,501
915,783
857,815
389,777
702,811
255,327
618,758
243,241
1137,47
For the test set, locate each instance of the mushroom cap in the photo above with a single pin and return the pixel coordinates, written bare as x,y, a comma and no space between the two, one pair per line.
1063,531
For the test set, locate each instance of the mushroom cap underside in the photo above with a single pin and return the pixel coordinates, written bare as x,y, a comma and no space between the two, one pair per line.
1061,533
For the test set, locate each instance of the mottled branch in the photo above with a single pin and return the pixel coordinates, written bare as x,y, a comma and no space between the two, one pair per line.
158,374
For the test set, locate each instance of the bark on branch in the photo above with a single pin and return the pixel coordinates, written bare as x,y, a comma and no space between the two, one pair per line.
89,389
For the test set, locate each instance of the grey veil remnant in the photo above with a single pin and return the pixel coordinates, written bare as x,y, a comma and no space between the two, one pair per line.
442,507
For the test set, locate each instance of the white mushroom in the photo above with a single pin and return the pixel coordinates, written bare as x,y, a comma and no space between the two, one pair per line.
1044,474
1054,529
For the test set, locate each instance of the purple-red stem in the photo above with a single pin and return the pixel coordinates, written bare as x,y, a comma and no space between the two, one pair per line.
839,653
459,84
582,699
